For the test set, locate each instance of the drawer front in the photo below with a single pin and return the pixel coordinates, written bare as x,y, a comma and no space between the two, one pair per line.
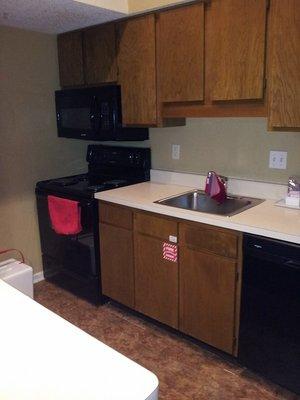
155,226
115,215
215,240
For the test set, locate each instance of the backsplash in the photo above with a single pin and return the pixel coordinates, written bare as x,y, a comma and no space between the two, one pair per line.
235,147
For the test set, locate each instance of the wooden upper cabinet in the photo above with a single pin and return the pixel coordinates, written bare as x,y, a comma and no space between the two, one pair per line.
70,59
137,70
180,54
237,49
284,65
100,64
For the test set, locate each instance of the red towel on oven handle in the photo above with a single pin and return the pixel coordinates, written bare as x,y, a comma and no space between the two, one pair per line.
64,215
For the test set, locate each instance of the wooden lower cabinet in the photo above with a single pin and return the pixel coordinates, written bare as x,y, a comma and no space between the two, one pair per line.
156,281
207,297
116,253
197,293
117,264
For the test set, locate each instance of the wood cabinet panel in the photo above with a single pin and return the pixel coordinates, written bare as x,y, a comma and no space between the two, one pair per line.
100,64
116,215
196,110
180,53
237,49
154,225
236,102
117,270
284,65
156,281
70,59
216,240
207,298
198,294
137,70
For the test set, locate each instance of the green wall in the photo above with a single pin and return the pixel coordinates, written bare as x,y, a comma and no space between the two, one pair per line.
236,147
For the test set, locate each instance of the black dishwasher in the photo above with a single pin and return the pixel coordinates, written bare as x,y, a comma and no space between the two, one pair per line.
269,340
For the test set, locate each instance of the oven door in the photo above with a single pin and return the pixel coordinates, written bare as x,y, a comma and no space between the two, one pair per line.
72,261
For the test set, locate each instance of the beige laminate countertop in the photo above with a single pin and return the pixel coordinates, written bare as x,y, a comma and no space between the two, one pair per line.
45,357
266,219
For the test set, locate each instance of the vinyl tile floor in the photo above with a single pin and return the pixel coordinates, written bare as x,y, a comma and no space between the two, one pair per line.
186,370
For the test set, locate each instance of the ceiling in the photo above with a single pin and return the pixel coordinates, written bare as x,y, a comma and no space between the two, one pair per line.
57,16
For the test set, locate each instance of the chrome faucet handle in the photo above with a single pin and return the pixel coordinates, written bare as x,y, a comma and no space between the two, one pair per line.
224,180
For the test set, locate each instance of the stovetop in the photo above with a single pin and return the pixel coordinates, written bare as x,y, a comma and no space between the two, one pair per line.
109,167
83,185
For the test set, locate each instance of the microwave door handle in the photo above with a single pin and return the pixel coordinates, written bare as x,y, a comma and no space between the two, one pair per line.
93,111
97,115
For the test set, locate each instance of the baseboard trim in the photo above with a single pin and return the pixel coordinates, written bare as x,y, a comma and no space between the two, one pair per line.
38,277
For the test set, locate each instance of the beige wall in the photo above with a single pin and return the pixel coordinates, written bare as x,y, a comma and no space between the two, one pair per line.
29,148
236,147
141,5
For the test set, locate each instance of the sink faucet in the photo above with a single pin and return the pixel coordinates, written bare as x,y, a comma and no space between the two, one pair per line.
224,180
216,186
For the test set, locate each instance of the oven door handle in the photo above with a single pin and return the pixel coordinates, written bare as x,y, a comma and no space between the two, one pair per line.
294,264
88,204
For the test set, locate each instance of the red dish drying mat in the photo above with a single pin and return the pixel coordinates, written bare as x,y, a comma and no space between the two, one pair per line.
64,215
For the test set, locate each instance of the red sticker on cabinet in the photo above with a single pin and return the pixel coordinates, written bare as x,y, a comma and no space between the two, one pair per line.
170,252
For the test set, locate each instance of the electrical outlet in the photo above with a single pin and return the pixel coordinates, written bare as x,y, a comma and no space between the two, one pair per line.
175,151
278,159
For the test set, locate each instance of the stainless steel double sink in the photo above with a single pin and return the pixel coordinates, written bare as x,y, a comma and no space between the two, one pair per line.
197,200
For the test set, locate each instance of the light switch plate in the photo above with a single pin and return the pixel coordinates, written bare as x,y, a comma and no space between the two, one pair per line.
175,151
278,159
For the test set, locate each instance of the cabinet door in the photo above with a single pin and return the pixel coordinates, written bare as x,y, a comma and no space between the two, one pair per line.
238,49
70,59
117,271
137,70
100,64
180,46
207,297
156,281
284,65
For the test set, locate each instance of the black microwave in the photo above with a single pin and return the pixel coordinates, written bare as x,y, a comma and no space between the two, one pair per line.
93,114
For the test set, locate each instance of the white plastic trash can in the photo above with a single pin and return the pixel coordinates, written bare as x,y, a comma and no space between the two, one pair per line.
18,275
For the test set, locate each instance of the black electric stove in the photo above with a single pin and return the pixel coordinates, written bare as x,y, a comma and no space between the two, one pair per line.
73,261
109,167
83,186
